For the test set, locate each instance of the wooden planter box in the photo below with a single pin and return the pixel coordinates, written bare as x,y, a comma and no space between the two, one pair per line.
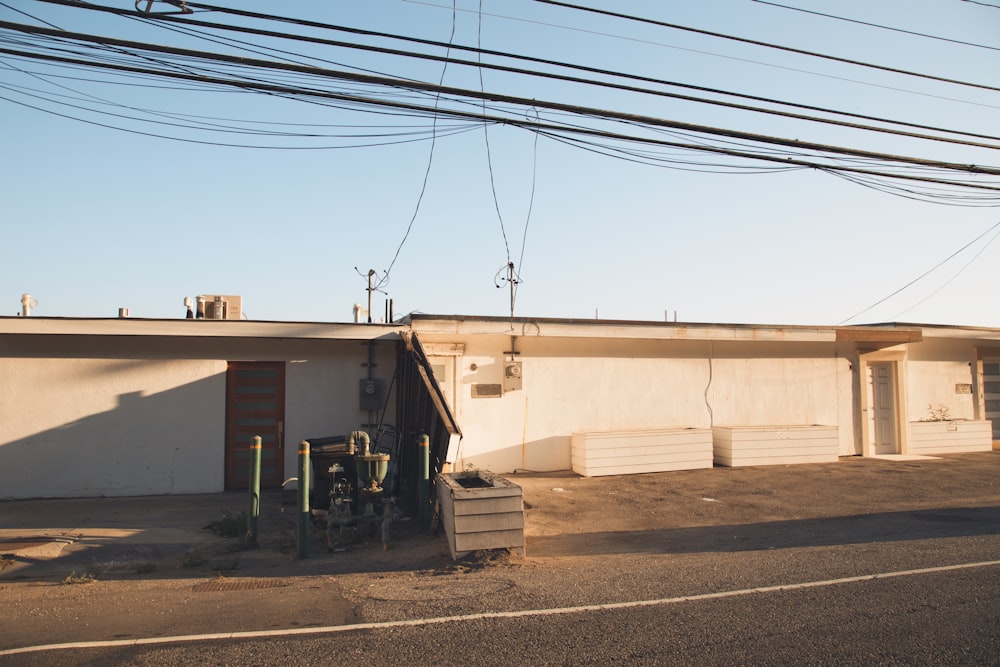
485,513
773,445
653,450
950,437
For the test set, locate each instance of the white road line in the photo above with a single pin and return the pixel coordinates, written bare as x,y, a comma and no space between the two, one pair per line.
257,634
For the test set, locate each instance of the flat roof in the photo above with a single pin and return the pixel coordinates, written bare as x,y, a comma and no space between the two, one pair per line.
129,326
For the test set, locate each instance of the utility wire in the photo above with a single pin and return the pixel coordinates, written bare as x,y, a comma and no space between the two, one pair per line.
920,277
560,130
982,4
427,172
30,16
726,57
972,261
466,93
486,138
877,25
768,45
478,64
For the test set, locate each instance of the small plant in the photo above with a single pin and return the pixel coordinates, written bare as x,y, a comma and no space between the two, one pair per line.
83,578
939,414
230,525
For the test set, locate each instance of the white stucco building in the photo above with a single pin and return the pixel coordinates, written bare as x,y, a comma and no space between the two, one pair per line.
92,407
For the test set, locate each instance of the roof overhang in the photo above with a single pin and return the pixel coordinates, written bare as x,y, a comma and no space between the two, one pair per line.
59,326
445,325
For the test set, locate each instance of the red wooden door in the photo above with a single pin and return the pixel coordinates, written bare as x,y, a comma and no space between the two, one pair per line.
255,405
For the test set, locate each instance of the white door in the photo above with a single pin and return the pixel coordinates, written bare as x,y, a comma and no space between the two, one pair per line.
884,408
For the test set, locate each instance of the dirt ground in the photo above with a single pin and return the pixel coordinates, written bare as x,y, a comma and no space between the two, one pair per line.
565,515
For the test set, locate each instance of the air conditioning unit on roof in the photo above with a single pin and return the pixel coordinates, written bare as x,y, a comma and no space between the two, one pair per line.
221,306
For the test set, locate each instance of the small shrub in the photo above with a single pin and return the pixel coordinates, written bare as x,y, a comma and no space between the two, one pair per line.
939,414
230,525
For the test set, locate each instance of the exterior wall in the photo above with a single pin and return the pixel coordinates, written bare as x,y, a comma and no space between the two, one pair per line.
601,384
92,427
92,416
939,374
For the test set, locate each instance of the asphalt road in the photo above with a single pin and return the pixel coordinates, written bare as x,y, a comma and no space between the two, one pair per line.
913,581
937,602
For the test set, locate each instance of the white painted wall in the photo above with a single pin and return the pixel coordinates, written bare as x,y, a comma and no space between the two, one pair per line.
321,391
154,423
90,427
934,367
595,384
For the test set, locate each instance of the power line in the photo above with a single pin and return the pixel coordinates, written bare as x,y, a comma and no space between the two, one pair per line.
427,173
951,279
920,277
719,55
478,64
877,25
982,4
555,130
754,42
461,92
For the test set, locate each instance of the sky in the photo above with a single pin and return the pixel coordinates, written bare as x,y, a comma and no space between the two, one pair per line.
127,191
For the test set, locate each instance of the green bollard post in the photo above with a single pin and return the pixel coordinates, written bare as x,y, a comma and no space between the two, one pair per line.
424,482
253,523
304,512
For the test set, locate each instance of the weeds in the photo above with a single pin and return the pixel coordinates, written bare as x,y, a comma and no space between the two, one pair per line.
230,525
83,578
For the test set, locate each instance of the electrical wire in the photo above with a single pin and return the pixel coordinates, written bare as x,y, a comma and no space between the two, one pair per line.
920,277
486,139
500,98
754,42
427,172
877,25
478,64
962,270
531,206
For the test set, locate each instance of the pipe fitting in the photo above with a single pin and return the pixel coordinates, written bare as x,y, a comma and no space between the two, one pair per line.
359,437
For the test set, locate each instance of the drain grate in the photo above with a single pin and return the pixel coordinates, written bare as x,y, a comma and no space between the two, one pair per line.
236,585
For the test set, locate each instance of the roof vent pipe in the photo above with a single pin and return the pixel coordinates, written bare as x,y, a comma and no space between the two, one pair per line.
27,303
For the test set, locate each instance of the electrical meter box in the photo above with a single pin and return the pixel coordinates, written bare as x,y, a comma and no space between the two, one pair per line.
372,394
512,376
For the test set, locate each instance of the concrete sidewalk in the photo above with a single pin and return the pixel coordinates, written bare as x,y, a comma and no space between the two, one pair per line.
167,536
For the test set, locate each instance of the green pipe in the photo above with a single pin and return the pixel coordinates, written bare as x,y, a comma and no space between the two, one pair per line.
424,481
253,528
303,499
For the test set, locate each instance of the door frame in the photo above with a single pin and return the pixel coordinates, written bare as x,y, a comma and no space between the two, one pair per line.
885,436
867,415
277,445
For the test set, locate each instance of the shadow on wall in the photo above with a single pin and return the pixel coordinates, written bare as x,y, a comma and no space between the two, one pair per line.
543,455
170,442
